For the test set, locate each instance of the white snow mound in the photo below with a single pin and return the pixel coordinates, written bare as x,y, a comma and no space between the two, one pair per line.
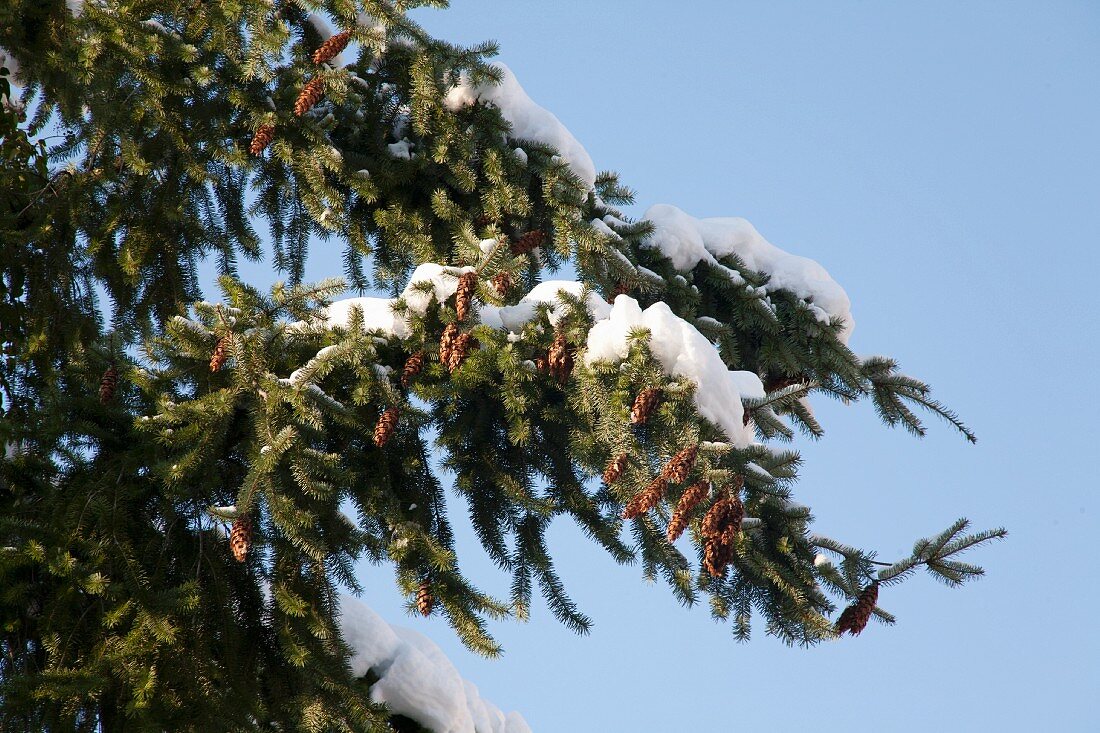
529,120
687,241
416,678
378,313
683,352
514,317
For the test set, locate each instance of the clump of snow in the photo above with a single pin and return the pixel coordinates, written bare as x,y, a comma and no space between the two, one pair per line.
682,351
401,149
529,120
416,679
379,314
514,317
687,241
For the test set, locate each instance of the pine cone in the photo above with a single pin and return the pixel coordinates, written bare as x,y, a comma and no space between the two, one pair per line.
413,365
643,405
424,599
528,242
263,137
716,557
541,365
467,286
559,359
855,617
715,519
482,221
330,48
646,499
502,283
447,343
731,525
108,383
688,501
240,537
462,347
310,95
221,353
387,422
615,469
620,289
681,464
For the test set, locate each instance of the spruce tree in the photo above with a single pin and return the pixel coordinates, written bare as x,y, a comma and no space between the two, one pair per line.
188,480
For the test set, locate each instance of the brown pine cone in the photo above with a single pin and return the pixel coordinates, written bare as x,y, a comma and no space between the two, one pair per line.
528,242
330,48
731,525
424,599
855,617
681,464
467,286
716,557
502,283
310,95
221,353
559,359
263,137
108,383
447,343
646,499
240,537
688,501
413,365
462,347
643,405
715,519
620,289
387,423
615,469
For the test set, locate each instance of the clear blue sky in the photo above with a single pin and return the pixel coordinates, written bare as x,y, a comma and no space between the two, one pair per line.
942,160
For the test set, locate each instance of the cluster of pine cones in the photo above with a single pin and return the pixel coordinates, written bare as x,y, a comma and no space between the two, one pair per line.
311,93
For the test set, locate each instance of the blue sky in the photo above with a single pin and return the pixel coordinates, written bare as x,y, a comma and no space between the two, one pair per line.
941,160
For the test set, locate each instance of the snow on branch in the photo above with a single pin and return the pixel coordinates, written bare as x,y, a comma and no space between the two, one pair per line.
529,120
687,241
415,677
682,351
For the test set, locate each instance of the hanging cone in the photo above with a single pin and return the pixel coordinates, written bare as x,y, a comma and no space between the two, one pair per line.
559,359
467,286
462,347
688,501
646,499
643,405
221,353
717,557
330,48
263,137
855,617
310,95
620,289
424,599
482,221
714,521
502,283
387,423
240,537
108,383
413,365
681,464
528,242
731,526
447,343
541,365
615,469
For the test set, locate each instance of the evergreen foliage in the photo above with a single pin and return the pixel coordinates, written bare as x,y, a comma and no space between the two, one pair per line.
157,134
